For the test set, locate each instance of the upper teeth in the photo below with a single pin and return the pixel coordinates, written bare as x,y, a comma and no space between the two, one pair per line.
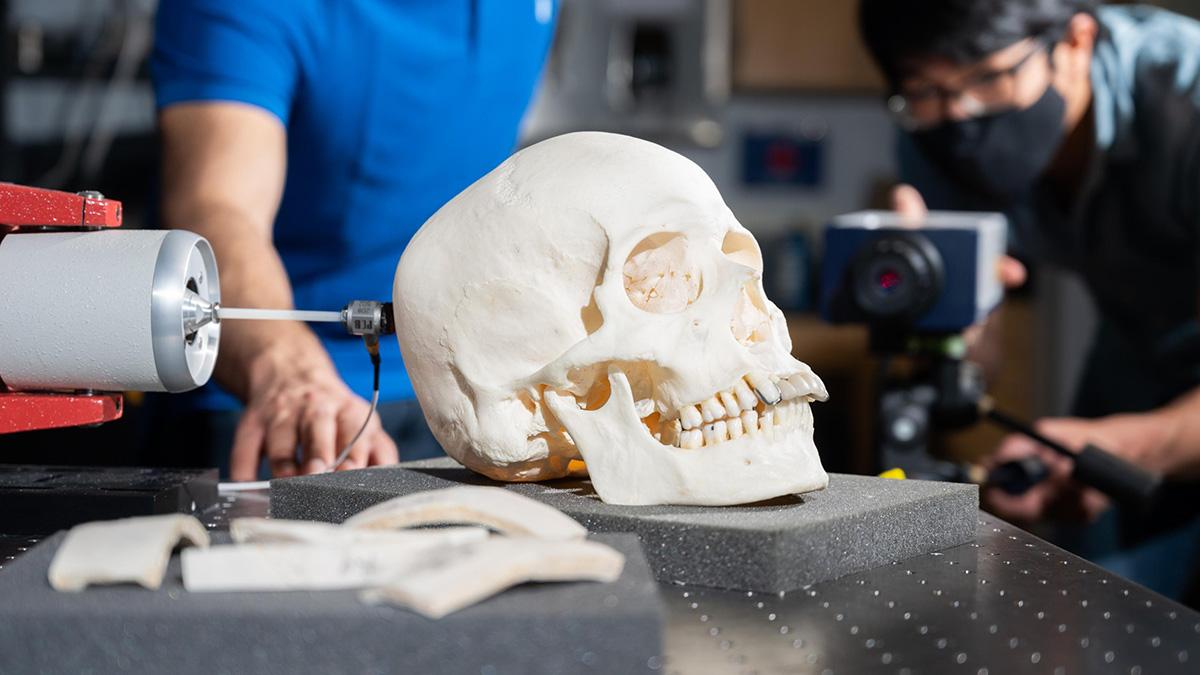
745,397
729,400
712,409
766,390
735,413
786,390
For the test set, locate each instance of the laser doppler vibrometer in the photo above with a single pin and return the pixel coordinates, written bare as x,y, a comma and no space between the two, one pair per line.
918,284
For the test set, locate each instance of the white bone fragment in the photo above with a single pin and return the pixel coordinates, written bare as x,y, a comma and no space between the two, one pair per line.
468,575
130,550
502,510
278,531
310,566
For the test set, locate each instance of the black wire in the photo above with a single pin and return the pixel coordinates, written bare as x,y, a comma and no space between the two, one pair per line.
375,363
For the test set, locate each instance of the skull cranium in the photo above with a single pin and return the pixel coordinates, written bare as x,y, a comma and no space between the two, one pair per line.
593,298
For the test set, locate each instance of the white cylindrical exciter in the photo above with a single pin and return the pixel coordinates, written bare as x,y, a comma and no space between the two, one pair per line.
104,310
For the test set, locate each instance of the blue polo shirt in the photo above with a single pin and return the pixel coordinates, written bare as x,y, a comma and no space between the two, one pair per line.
391,107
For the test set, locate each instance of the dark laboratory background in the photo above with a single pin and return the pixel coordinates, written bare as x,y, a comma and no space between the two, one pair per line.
776,99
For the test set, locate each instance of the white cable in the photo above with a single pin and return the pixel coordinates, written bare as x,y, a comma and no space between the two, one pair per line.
346,451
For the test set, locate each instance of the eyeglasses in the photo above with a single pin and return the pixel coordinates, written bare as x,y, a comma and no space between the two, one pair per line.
982,93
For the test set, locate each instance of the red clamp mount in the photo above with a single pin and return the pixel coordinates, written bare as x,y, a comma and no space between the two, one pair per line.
28,208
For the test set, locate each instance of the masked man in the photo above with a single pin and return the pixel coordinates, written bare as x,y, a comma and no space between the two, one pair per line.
1083,125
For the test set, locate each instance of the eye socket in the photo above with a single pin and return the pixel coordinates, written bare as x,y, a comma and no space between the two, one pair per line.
743,249
661,276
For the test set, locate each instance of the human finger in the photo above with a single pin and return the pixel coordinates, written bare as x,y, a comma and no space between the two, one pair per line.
281,441
246,453
1011,271
383,450
908,202
318,439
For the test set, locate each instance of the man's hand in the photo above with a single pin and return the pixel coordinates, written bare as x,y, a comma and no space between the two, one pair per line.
1143,439
302,402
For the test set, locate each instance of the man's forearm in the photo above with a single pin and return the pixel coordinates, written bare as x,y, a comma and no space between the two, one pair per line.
252,275
224,167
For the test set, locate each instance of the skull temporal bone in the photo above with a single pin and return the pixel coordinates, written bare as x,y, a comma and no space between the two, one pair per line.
594,298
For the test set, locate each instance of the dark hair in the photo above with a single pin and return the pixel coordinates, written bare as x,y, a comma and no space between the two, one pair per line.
899,32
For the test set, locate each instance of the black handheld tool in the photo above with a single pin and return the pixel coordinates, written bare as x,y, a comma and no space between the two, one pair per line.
1017,476
1127,483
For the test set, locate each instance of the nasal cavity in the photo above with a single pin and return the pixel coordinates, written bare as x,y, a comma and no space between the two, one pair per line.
751,322
661,275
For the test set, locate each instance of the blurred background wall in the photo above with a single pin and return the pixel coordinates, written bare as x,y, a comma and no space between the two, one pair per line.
775,99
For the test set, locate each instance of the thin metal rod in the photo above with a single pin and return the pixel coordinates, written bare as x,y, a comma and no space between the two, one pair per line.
225,313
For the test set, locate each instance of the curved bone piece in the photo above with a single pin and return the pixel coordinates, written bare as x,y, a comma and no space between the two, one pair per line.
323,566
130,550
502,510
277,531
471,574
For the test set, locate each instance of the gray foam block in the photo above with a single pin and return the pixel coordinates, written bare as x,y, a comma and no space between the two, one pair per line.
538,628
857,523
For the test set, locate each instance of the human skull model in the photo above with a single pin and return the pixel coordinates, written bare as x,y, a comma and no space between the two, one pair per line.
593,298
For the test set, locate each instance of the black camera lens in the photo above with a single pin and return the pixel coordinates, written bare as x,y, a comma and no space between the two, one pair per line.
896,277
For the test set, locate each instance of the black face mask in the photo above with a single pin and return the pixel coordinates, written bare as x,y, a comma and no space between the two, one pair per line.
999,156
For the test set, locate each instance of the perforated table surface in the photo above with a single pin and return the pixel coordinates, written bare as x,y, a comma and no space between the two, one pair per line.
1009,602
